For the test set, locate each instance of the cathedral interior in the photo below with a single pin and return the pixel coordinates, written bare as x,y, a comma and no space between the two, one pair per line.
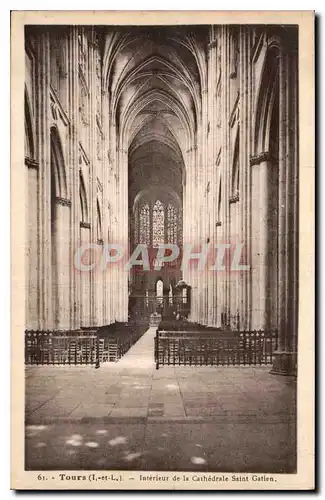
137,139
163,134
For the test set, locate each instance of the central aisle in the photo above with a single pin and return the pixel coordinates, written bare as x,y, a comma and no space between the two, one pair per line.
141,354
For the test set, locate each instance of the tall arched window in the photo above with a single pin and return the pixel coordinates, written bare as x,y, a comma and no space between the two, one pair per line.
144,225
158,223
57,161
171,224
136,226
29,136
58,240
159,291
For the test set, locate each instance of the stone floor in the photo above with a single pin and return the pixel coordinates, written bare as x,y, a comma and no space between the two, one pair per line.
129,415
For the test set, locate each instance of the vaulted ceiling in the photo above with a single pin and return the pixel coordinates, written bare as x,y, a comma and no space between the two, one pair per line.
155,76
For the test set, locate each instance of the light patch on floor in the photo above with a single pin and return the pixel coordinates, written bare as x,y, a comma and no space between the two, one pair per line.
36,427
92,444
117,440
31,433
40,445
101,431
171,386
198,460
74,442
144,364
132,456
77,437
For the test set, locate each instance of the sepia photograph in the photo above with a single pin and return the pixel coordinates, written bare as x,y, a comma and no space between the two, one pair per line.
161,178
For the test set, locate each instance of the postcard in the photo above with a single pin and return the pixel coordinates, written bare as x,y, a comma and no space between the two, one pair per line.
162,208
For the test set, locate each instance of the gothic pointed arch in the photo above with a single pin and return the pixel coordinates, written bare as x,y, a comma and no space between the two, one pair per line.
58,201
267,99
29,132
83,200
159,288
58,165
99,222
143,225
266,162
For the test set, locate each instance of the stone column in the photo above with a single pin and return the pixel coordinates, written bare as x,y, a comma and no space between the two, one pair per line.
91,136
44,193
84,281
225,162
122,232
108,193
203,275
261,170
245,173
62,237
73,166
125,225
106,212
294,205
189,274
218,229
109,128
211,188
285,357
32,246
98,273
195,239
186,208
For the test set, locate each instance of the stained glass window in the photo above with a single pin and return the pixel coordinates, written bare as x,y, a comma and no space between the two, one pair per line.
171,224
179,225
158,223
136,226
144,236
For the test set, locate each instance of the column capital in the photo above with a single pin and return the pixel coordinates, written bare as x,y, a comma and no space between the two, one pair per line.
63,201
260,158
31,163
